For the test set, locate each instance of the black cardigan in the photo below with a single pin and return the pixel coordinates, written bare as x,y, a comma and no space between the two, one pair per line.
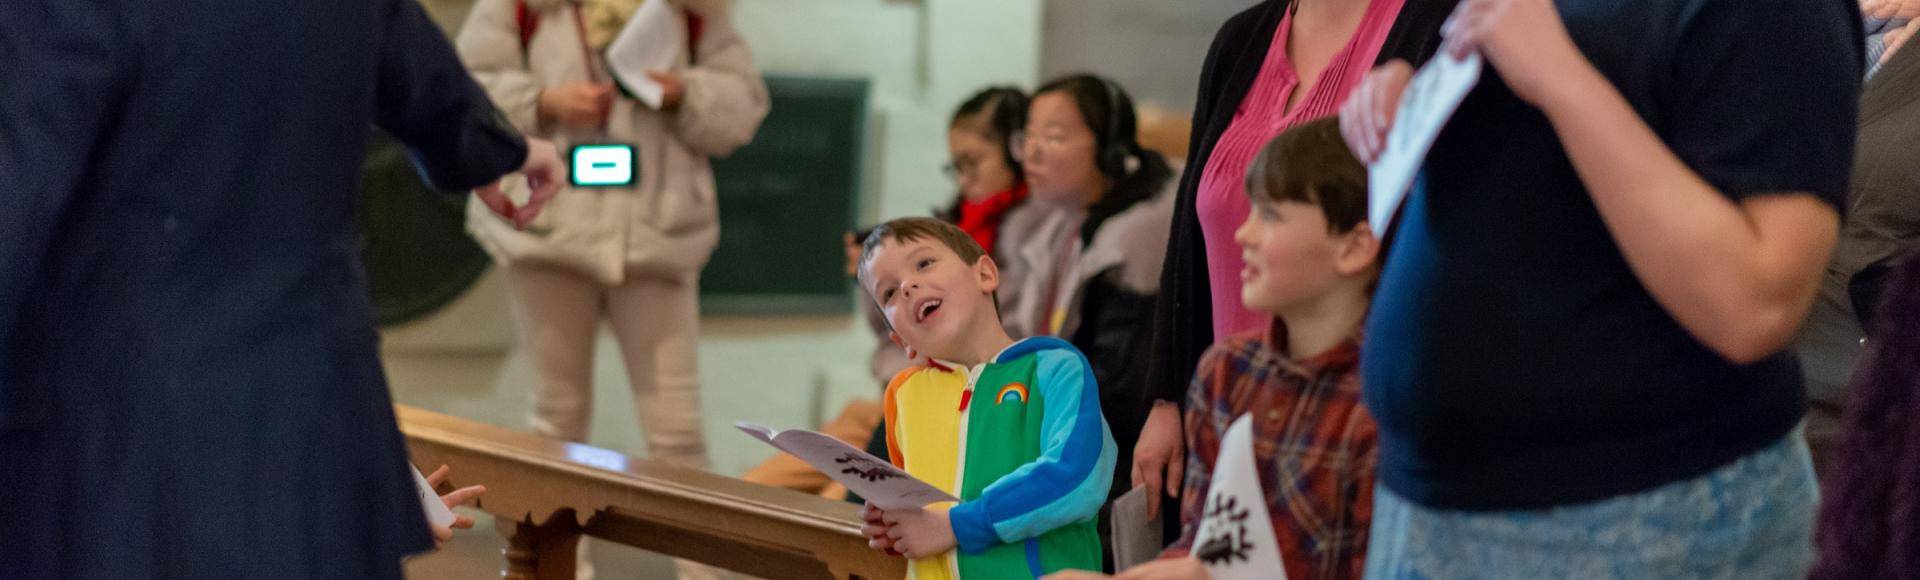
1183,314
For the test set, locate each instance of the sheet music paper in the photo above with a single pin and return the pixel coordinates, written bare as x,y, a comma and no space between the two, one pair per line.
1136,538
1430,99
652,40
437,512
876,479
1235,540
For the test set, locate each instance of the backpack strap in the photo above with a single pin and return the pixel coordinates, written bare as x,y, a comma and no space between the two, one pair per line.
695,24
527,21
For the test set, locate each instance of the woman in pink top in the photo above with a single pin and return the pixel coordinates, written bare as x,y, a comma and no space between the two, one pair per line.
1273,66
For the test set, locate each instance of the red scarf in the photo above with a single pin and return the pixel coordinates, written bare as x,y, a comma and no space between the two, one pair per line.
981,219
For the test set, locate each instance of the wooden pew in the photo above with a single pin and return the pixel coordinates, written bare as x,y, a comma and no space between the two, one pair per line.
545,494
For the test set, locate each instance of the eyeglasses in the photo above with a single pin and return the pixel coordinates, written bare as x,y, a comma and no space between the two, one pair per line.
1017,144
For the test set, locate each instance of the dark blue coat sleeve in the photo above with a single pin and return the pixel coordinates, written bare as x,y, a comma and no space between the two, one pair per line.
427,100
63,78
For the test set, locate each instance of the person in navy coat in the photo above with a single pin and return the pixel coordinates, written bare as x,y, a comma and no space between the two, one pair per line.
189,381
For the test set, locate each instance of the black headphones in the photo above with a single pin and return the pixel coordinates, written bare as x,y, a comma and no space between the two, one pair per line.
1115,158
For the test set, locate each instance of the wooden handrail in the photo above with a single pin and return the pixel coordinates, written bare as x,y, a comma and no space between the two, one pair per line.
545,494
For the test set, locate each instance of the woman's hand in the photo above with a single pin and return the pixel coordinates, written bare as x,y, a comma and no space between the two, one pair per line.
1160,457
1524,40
1369,112
1891,9
1898,38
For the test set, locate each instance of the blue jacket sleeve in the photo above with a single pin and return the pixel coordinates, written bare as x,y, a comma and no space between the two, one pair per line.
427,100
1070,479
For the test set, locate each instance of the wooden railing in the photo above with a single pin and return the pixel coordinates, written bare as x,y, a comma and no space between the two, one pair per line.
545,494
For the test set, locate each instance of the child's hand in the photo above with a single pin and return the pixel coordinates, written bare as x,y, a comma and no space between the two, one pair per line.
921,533
875,529
454,498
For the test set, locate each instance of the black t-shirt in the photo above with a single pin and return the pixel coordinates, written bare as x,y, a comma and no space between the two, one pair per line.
1512,358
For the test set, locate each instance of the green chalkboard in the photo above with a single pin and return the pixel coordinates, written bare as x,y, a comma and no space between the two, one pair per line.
786,199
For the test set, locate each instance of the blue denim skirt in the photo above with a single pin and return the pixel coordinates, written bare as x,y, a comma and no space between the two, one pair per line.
1751,519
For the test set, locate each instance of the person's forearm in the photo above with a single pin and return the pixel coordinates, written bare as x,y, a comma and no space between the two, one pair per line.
1696,251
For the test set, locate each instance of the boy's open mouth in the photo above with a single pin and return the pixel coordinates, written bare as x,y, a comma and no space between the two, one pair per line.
926,309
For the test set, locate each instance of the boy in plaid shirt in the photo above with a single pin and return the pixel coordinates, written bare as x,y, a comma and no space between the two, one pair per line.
1310,260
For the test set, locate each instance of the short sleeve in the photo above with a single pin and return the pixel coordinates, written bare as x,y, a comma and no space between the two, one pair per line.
1763,96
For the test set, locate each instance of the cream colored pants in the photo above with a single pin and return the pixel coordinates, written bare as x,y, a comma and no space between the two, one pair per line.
657,321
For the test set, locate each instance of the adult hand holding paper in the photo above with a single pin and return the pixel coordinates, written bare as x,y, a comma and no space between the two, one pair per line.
1391,122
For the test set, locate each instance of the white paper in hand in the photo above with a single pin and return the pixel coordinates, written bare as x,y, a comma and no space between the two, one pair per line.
1430,99
1235,540
652,40
437,512
875,479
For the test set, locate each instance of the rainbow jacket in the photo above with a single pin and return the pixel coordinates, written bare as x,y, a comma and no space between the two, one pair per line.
1021,441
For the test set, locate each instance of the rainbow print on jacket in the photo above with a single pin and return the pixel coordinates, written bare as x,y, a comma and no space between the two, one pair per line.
1015,392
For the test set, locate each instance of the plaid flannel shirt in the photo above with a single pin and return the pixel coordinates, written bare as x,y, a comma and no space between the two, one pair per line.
1315,448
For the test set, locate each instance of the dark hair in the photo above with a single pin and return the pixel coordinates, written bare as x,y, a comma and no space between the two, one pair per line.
908,229
1106,108
1004,112
998,112
1872,493
917,228
1310,163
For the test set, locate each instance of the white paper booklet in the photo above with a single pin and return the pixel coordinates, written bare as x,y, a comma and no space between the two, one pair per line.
652,40
437,512
1430,99
1235,540
875,479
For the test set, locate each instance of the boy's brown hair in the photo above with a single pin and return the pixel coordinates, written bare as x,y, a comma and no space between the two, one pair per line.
1311,164
919,228
908,229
